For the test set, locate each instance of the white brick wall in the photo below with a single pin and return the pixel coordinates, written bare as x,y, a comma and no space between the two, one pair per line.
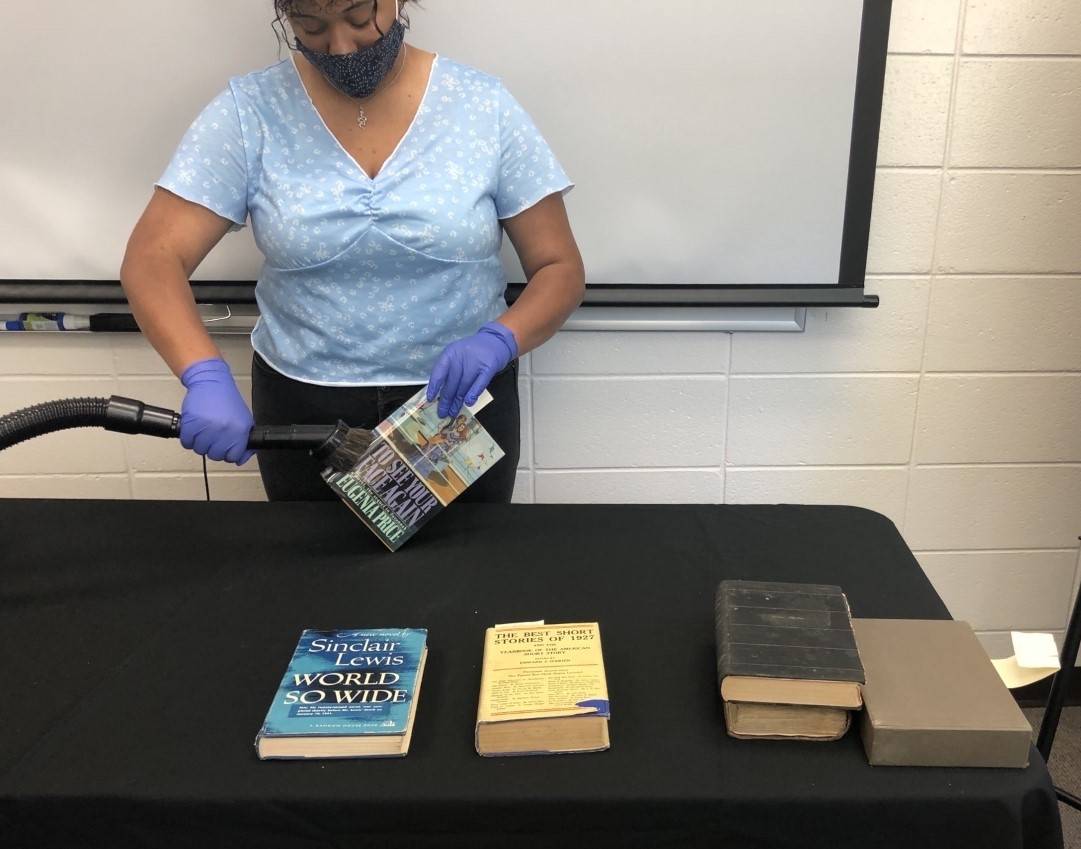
953,409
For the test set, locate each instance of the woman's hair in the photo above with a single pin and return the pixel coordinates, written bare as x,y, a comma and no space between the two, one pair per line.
284,8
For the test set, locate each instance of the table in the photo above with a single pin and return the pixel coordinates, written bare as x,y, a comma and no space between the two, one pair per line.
143,641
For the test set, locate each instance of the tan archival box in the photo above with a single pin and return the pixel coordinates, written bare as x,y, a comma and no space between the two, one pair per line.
932,698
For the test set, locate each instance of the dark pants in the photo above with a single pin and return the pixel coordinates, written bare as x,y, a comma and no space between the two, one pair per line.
294,475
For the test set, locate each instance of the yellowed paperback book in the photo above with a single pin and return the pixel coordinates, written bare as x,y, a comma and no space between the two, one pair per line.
543,690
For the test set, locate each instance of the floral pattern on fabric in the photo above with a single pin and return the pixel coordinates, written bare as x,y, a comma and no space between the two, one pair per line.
366,280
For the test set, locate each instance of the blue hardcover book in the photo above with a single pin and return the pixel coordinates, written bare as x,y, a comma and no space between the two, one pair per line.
347,694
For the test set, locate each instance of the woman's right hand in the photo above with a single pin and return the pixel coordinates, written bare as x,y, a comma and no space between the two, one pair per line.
215,420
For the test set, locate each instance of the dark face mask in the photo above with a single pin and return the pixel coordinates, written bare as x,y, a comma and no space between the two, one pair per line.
359,74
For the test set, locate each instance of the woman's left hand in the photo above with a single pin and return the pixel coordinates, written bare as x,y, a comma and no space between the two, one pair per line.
466,367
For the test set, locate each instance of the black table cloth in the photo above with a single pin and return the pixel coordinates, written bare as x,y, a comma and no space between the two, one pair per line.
143,642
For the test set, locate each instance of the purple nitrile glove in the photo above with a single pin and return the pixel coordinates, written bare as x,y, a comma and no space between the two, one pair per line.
214,420
466,367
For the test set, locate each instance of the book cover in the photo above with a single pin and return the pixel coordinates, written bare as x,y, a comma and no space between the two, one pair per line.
417,465
348,683
542,671
779,630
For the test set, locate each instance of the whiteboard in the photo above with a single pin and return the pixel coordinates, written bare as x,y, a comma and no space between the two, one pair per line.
709,139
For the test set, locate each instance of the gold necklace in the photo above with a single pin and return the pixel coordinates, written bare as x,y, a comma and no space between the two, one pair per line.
362,116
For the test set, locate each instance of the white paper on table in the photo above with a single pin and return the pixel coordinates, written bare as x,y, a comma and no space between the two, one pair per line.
1035,651
1035,657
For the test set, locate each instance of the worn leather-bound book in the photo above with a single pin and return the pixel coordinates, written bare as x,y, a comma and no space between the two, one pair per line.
787,662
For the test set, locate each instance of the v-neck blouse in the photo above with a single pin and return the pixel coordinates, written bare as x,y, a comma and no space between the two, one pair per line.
365,280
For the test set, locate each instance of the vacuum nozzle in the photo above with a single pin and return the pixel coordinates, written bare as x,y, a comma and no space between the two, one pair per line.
126,415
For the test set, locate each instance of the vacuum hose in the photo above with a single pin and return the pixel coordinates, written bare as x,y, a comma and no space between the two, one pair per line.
52,416
337,445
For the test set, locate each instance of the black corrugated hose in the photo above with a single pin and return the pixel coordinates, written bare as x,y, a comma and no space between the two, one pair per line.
52,415
338,444
119,414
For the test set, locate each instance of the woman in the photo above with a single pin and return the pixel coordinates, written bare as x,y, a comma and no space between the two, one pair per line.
379,179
